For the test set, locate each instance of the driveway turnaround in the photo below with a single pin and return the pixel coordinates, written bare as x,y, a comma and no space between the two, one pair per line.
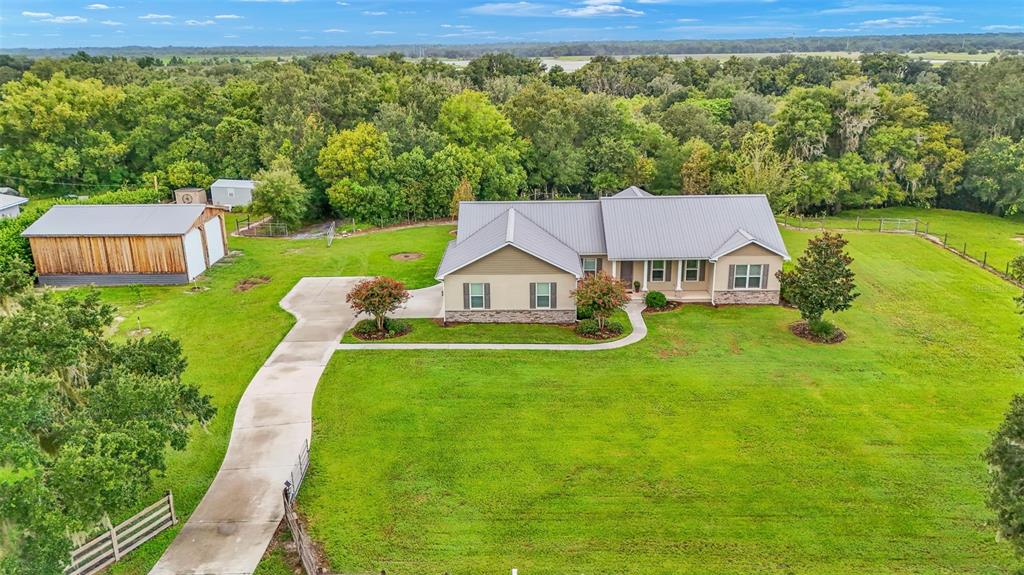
230,530
636,319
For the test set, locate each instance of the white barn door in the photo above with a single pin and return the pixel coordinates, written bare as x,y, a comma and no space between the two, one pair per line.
195,260
214,240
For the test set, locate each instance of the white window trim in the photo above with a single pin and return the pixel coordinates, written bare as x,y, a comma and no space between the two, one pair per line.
537,295
664,268
748,276
686,268
482,295
585,270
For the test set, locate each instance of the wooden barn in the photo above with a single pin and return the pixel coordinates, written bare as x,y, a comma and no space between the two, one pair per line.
152,244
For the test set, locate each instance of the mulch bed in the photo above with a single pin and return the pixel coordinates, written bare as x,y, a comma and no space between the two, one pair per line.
251,282
801,329
380,335
406,256
601,335
667,307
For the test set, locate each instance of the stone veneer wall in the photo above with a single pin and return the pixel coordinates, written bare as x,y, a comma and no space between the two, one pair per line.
511,316
757,296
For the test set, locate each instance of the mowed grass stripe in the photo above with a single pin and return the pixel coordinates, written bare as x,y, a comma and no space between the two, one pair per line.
720,443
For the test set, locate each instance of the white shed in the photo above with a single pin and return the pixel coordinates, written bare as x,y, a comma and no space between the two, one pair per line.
232,192
10,203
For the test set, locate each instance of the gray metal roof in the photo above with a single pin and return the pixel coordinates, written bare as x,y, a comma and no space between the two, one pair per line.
116,220
509,228
9,201
633,192
686,227
223,183
576,223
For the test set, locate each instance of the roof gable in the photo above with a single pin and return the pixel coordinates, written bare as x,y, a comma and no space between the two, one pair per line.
509,229
575,223
633,192
9,200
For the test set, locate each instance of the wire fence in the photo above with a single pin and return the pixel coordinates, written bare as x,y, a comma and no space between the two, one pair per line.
304,546
999,264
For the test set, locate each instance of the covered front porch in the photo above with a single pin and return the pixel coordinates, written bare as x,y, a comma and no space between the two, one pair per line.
687,281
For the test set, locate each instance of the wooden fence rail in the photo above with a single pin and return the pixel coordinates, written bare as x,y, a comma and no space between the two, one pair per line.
111,545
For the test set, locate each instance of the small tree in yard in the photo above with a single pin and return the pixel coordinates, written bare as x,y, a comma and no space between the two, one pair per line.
1005,457
378,297
463,193
280,193
602,294
821,281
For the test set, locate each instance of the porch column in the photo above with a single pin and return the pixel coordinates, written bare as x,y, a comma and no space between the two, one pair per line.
615,270
714,274
643,286
679,275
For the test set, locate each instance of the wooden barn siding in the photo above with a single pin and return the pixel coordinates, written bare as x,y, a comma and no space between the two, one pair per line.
108,255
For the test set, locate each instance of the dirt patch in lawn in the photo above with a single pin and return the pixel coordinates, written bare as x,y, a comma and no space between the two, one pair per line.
406,256
251,282
802,329
141,332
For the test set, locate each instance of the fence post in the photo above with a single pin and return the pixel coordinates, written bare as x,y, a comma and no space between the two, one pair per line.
916,222
984,260
965,248
945,239
170,503
113,537
858,222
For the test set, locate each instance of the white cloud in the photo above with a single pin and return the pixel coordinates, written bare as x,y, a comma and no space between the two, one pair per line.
457,26
907,21
381,32
97,7
64,20
867,8
374,13
834,30
334,31
511,9
231,35
156,17
228,17
199,22
37,14
1002,27
111,23
599,8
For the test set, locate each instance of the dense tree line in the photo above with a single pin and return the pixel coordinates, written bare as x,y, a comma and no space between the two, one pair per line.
382,139
986,42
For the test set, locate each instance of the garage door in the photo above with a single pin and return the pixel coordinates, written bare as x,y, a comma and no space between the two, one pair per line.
195,261
214,240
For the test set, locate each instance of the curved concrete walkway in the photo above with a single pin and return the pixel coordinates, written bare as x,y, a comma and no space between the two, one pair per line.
636,319
229,531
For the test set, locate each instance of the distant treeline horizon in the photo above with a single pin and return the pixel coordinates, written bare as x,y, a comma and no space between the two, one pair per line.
989,42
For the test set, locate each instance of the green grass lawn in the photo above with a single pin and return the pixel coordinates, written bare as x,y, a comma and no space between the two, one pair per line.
719,444
227,335
430,331
1002,238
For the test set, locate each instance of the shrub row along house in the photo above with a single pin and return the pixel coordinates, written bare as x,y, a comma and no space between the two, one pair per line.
154,244
520,261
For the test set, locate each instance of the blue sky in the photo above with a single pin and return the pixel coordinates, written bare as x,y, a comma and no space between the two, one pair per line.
66,23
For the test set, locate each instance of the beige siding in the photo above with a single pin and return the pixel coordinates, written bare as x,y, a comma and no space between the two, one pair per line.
509,261
510,272
752,254
670,284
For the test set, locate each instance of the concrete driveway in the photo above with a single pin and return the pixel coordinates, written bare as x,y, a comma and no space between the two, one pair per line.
230,530
424,303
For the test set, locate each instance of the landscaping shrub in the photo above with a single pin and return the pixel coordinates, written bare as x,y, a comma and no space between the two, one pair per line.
397,327
588,327
655,299
584,312
614,327
822,328
365,327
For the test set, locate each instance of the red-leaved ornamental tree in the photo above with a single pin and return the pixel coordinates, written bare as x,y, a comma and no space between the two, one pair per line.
378,297
601,294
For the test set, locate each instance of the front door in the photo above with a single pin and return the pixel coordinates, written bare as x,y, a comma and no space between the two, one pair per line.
626,273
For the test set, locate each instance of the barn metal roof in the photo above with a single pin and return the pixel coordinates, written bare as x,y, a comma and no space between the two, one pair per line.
116,220
234,183
576,223
9,200
686,227
509,228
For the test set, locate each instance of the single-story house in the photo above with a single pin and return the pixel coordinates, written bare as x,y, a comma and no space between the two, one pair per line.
153,244
520,261
232,192
10,202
